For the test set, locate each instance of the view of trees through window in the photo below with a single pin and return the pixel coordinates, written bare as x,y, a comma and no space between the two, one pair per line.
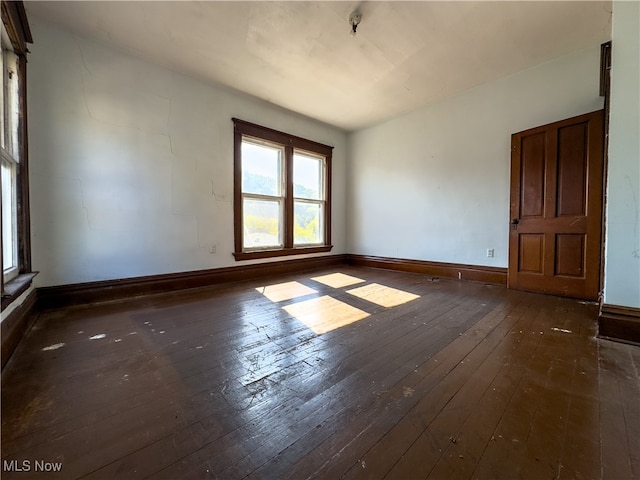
262,219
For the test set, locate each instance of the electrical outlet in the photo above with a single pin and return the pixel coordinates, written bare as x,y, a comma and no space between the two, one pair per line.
212,248
489,252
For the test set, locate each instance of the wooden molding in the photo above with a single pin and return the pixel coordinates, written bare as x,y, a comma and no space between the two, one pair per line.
281,253
258,131
16,325
121,289
16,287
15,20
605,91
605,69
475,273
619,323
289,143
116,290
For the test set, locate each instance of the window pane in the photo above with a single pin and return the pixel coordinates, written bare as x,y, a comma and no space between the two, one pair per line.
10,107
307,223
307,177
262,223
261,169
9,246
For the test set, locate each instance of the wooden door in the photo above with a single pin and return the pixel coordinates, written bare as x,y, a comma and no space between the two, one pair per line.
556,207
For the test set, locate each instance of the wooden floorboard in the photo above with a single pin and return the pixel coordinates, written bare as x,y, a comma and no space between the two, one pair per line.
466,381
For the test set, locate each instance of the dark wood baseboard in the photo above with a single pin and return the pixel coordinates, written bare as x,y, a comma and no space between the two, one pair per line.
619,323
475,273
16,325
115,290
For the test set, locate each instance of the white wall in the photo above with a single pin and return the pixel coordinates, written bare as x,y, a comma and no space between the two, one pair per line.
132,164
622,267
434,184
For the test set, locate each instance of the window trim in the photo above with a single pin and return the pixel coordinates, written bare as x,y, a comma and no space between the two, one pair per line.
290,143
15,22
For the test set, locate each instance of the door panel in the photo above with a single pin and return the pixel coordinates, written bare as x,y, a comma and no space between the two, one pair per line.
572,167
531,253
570,258
533,170
556,207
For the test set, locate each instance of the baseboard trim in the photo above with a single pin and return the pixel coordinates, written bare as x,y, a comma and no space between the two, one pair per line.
16,325
619,323
116,290
475,273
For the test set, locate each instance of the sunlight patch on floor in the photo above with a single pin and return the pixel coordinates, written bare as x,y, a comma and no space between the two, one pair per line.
338,280
324,314
382,295
285,291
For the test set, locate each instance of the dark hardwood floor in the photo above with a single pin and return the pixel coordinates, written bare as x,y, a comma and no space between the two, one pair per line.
465,381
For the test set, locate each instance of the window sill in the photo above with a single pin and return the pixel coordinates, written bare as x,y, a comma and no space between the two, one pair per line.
281,252
16,287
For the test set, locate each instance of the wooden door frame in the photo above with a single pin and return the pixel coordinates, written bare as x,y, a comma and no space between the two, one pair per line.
605,91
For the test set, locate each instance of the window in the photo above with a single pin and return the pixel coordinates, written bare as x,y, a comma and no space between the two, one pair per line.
16,256
10,158
282,193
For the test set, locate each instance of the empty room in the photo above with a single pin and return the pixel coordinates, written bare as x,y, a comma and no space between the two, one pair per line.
320,239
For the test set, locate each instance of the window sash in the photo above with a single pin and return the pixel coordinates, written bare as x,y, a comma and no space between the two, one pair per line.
258,230
10,103
298,176
3,121
263,149
308,234
9,218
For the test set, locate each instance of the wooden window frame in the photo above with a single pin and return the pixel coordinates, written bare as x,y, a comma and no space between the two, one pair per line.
15,22
289,143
